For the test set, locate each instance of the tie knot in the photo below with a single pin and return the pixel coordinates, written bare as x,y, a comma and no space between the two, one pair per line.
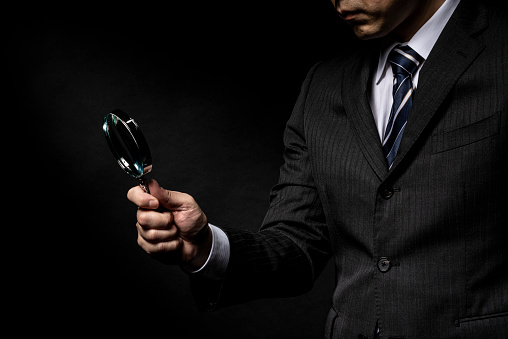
404,60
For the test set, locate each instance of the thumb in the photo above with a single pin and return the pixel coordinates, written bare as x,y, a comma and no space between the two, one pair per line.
172,200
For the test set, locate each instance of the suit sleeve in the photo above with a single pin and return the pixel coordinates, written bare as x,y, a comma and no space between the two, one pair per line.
292,247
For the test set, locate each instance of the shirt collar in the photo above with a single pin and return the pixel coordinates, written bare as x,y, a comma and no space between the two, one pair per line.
424,40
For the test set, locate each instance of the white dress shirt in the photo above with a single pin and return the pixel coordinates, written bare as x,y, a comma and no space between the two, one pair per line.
381,99
381,89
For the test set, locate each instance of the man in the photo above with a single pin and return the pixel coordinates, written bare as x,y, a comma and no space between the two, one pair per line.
395,166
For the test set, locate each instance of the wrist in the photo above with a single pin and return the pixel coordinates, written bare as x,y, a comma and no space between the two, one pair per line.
202,246
215,266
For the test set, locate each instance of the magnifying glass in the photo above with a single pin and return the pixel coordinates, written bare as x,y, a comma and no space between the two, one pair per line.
128,145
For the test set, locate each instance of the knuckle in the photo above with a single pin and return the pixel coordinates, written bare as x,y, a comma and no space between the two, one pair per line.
143,218
169,217
166,197
150,242
172,232
190,202
160,247
152,235
168,246
169,220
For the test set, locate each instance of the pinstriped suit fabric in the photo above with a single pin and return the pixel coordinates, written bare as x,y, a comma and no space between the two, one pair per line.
443,227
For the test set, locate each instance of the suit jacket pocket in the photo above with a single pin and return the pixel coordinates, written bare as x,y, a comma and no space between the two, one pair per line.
466,135
488,326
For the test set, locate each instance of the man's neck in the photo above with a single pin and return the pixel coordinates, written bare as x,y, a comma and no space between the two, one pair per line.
405,31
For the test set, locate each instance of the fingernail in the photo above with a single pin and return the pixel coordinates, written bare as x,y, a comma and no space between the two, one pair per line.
152,203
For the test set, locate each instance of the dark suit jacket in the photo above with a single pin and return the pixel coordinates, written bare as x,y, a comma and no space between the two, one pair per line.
422,249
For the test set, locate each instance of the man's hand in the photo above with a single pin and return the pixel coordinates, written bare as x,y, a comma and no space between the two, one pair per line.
171,226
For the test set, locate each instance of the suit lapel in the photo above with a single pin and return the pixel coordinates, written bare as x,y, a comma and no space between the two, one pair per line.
356,103
454,51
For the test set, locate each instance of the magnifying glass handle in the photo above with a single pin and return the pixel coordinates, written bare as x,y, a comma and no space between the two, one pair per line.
143,183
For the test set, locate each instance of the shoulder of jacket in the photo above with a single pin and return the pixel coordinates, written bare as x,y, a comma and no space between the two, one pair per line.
342,60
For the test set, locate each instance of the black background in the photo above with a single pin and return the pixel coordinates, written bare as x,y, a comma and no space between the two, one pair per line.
211,85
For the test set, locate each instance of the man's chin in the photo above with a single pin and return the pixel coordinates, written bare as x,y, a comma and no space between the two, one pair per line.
367,32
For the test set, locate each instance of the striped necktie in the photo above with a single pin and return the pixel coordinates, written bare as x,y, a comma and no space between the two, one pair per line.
405,62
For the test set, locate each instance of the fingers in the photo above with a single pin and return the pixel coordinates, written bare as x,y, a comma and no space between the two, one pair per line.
164,219
154,241
155,236
142,199
171,200
154,219
156,231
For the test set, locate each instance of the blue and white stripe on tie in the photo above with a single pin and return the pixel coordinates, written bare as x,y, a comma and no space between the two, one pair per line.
404,62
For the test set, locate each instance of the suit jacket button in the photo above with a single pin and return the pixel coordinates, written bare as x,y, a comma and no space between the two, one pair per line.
386,192
383,264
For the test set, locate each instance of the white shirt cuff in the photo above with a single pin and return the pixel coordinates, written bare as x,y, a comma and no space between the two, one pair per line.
217,262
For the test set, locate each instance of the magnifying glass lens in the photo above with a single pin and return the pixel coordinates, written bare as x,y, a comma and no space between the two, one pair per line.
124,146
128,145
